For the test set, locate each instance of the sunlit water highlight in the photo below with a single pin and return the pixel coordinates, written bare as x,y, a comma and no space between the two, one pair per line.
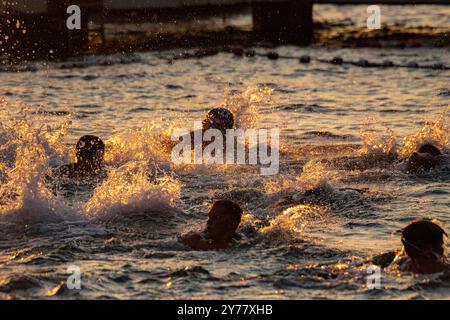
122,230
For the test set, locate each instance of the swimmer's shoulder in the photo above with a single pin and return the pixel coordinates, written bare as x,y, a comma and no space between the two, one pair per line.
393,260
385,259
73,171
200,242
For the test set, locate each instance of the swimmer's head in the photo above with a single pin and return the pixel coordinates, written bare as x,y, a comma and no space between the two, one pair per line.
430,149
424,240
90,150
420,161
223,220
218,118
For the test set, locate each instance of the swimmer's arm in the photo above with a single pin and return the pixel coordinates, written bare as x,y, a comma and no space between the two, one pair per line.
287,200
361,191
196,242
384,259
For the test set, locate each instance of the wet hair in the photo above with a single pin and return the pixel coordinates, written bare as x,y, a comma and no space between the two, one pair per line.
430,149
421,161
233,211
421,236
218,118
89,147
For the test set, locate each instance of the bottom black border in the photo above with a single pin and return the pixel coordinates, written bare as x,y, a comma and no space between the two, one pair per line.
225,309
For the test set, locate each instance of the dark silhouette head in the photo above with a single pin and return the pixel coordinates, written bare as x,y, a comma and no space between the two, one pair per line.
423,240
224,219
430,149
421,161
90,150
218,118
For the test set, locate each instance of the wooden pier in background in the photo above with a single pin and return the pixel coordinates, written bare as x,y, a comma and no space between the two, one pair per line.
29,26
32,28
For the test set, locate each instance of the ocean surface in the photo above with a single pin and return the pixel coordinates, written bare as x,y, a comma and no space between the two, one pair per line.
121,231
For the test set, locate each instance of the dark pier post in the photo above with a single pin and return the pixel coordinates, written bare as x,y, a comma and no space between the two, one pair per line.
69,42
45,35
289,21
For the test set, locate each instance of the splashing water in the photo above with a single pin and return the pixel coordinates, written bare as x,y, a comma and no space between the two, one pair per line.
27,124
313,176
3,173
114,101
244,103
293,221
130,191
28,150
436,133
151,143
30,147
377,141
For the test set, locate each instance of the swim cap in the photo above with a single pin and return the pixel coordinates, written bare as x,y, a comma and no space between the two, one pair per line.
421,236
429,148
218,118
90,148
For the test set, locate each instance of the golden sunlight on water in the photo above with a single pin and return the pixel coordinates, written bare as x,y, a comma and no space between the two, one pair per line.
350,117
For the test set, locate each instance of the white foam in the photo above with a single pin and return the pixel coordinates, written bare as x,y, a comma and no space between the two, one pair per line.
26,152
244,104
433,132
377,141
129,191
